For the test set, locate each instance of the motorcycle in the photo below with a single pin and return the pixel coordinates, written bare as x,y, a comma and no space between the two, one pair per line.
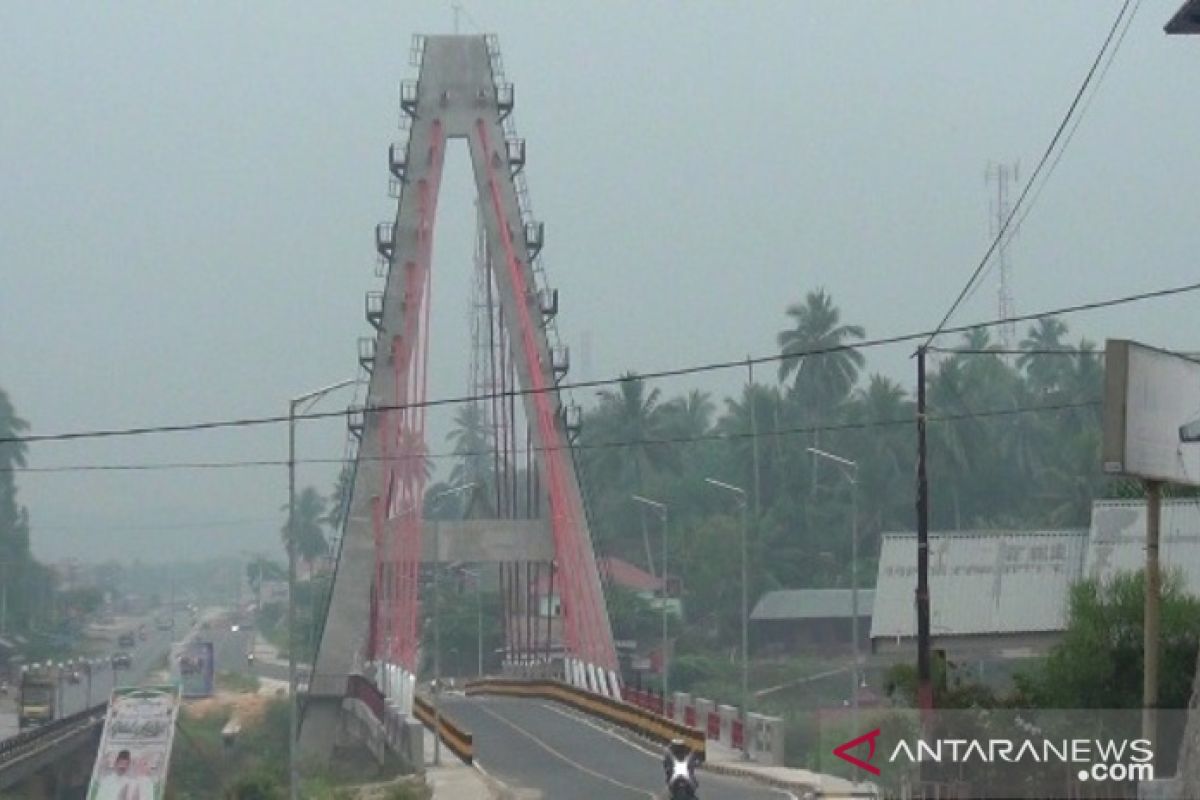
681,788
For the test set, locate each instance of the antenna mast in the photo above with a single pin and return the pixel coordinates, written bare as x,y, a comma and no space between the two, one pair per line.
997,177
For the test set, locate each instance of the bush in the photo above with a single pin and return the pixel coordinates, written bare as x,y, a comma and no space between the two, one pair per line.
256,786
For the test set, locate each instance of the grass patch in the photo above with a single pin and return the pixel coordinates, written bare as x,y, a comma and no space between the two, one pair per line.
237,682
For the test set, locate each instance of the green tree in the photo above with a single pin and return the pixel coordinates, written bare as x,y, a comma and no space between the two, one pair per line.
472,441
1098,663
1044,368
823,379
29,586
339,498
771,414
632,427
885,456
689,416
308,530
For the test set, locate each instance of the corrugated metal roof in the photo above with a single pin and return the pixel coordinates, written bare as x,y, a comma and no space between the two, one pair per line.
1118,539
979,581
793,604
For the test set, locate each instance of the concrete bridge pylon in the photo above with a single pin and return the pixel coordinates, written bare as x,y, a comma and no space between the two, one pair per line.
373,616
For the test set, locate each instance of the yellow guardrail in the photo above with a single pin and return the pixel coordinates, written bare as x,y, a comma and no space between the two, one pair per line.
638,720
456,737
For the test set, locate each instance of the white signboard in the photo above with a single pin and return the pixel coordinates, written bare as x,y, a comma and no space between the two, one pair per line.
1151,411
135,748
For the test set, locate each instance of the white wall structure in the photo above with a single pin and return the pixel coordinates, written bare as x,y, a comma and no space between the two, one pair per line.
980,581
1117,542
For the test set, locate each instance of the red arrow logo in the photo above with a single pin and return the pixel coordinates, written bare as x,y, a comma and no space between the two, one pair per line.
869,738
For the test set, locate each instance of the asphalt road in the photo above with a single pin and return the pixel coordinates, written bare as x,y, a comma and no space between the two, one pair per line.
147,656
540,746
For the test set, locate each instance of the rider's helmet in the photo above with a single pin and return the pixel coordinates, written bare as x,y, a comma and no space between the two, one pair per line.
678,749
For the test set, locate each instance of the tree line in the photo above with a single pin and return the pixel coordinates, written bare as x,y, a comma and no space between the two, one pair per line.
1014,442
26,586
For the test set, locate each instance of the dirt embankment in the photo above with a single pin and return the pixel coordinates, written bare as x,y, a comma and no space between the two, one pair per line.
248,708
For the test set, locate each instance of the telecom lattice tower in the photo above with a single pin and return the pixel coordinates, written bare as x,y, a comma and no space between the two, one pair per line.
372,625
999,208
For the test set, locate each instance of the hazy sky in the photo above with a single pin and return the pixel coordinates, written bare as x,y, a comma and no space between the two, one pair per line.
188,194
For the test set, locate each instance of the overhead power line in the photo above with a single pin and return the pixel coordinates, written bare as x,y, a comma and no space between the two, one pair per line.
1049,151
247,422
1079,117
672,440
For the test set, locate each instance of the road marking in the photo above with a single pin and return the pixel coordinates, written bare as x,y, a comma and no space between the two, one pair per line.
561,757
638,746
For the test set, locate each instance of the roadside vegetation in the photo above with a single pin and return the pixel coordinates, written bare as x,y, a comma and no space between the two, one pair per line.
253,765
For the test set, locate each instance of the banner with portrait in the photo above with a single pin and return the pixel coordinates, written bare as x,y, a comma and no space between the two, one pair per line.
135,748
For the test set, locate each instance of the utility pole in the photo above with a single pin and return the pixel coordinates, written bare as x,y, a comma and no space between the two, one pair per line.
1152,611
924,678
479,622
750,398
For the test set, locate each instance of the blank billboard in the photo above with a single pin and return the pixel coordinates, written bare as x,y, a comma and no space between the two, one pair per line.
1151,411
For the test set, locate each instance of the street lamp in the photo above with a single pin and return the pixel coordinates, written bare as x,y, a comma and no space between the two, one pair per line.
437,622
293,721
743,505
662,514
850,471
477,576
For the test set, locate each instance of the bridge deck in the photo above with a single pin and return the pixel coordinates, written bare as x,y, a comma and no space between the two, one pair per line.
532,744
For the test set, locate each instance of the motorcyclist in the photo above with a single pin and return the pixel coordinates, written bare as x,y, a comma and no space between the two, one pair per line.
679,764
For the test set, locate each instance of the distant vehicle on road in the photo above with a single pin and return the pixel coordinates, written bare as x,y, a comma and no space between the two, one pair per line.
122,660
126,640
38,689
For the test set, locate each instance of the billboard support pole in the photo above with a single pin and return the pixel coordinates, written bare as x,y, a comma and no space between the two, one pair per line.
1153,602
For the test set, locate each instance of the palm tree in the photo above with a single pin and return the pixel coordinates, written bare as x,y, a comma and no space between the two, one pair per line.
632,427
886,456
1042,366
823,380
12,454
736,423
632,423
471,440
689,416
339,498
14,518
308,531
957,443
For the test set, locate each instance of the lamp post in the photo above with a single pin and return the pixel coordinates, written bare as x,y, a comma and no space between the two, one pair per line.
743,504
477,576
850,471
663,516
293,721
437,623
